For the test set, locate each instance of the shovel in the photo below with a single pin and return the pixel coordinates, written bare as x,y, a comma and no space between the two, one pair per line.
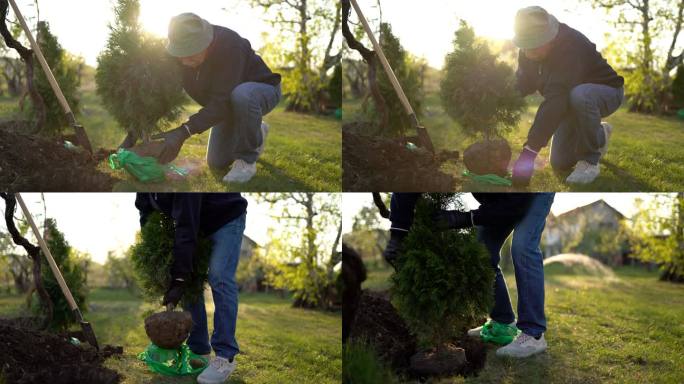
88,332
423,137
81,135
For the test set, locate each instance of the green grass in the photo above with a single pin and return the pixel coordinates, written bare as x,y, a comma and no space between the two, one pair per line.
303,152
646,153
624,330
279,344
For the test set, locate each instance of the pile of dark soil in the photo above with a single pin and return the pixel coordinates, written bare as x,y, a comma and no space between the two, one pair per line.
377,323
168,330
30,356
372,163
31,163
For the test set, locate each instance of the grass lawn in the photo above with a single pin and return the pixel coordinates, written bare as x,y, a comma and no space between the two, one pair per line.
303,152
624,330
646,153
279,344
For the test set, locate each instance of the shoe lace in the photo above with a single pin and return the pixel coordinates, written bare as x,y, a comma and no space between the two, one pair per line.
220,364
523,338
582,166
239,164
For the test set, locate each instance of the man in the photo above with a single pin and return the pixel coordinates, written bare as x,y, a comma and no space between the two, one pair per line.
235,88
498,215
579,88
220,217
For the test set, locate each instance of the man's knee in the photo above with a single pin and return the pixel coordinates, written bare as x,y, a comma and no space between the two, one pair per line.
241,97
580,97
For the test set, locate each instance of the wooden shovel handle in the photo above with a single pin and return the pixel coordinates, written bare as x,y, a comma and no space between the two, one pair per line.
383,60
48,255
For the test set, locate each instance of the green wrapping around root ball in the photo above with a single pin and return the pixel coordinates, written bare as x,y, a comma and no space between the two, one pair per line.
152,257
444,280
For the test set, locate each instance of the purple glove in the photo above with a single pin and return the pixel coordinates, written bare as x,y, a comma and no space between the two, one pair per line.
524,167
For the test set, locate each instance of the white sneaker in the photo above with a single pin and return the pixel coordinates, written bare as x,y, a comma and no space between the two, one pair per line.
584,173
264,133
607,130
523,346
241,172
217,372
475,332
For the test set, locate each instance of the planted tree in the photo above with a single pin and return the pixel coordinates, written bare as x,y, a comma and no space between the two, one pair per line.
478,91
65,68
658,235
73,273
407,72
139,83
152,257
444,280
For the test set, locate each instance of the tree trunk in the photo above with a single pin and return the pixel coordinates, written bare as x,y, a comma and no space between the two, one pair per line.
35,254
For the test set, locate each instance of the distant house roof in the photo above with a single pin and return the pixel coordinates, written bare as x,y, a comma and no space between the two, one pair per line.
250,241
591,206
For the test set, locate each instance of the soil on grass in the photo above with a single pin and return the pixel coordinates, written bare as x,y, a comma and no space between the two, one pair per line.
372,163
31,356
168,330
32,163
378,324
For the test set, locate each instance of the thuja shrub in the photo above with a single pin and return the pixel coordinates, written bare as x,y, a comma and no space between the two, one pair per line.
444,281
152,257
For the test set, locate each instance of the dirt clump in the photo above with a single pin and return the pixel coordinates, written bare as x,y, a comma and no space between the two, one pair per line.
168,329
488,157
32,163
32,356
373,163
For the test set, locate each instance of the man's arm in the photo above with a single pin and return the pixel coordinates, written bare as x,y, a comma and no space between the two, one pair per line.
186,216
567,73
526,80
508,209
222,87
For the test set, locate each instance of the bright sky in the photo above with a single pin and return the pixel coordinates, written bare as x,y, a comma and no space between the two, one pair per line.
82,25
563,202
426,28
99,222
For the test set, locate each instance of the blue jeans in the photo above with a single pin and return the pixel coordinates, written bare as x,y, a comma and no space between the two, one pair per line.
528,264
240,135
225,255
580,135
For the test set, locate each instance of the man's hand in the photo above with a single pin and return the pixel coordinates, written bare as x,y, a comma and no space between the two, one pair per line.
394,248
524,167
173,141
174,293
452,220
129,141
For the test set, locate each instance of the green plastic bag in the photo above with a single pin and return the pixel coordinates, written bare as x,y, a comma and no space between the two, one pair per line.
172,362
489,179
145,169
497,333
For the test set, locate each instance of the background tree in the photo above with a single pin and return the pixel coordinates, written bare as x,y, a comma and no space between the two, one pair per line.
304,253
444,280
478,90
65,68
658,234
308,41
120,272
367,236
407,70
73,273
647,22
152,258
139,83
678,87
